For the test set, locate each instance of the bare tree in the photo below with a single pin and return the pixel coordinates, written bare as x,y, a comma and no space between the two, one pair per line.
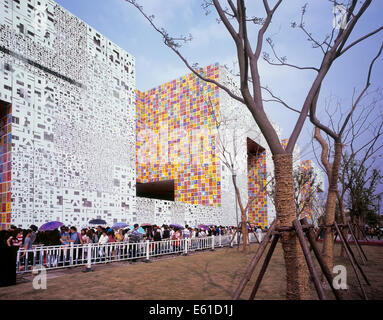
236,21
363,141
306,189
228,140
361,182
305,181
333,169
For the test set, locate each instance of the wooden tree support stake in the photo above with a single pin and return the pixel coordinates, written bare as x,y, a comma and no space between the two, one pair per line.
233,237
358,246
255,235
361,252
235,233
264,266
318,234
336,236
353,256
353,262
254,262
361,231
309,260
301,228
326,271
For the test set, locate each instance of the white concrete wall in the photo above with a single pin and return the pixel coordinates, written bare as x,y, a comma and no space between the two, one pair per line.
73,157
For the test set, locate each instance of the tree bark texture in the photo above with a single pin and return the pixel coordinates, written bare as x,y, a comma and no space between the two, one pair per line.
344,221
243,215
328,245
296,269
244,232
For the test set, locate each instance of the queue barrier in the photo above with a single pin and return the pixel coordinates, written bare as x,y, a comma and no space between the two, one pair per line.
59,257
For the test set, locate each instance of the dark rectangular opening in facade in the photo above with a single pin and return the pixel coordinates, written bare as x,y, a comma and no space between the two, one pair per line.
162,190
254,148
4,108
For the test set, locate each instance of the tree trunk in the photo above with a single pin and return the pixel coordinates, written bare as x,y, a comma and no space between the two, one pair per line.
243,214
357,232
361,225
244,232
328,245
342,213
296,268
344,221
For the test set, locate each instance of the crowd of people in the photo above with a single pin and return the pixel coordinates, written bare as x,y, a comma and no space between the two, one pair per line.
374,232
15,238
25,238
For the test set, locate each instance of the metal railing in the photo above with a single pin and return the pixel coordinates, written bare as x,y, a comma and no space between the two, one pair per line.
58,257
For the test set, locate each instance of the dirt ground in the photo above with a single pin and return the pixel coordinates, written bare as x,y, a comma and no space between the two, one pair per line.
203,275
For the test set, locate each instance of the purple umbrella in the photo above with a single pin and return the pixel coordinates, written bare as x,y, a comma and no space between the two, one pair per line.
178,226
120,225
203,227
53,225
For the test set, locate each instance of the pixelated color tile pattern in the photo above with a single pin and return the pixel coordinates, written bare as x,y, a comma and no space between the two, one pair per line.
257,177
5,169
168,148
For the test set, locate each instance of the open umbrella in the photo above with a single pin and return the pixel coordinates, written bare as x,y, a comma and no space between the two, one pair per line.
120,225
141,230
177,226
97,221
53,225
146,225
203,227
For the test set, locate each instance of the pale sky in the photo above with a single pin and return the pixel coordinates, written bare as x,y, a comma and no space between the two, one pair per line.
156,64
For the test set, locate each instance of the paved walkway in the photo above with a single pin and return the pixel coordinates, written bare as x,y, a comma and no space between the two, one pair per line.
57,273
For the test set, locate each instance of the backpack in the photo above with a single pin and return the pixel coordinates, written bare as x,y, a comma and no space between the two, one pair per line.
166,234
134,237
157,236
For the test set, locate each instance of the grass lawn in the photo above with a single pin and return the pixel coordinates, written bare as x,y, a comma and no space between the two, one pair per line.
203,275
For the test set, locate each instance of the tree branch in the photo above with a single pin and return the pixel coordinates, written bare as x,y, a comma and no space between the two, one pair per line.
169,42
282,61
368,83
279,100
359,40
324,154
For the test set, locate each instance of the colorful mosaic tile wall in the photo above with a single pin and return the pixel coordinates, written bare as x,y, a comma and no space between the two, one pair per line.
285,142
176,139
5,169
256,179
306,191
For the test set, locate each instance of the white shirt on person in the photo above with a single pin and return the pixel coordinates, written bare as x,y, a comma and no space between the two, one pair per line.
104,239
186,233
